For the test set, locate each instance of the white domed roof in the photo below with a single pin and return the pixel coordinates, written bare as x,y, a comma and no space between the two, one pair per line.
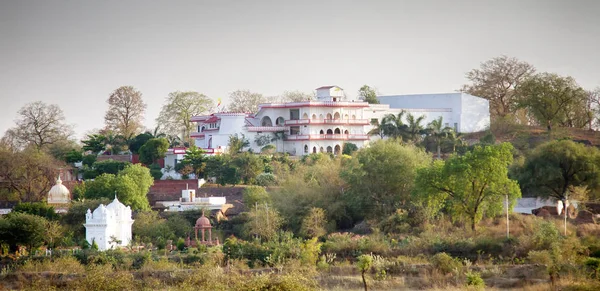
58,192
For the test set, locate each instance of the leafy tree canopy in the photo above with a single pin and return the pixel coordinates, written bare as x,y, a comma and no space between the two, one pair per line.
368,94
469,185
131,185
153,149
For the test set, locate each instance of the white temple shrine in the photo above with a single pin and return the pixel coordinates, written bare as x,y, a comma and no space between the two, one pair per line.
109,226
59,194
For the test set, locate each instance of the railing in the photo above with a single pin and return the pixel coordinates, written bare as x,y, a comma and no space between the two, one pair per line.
328,121
197,134
327,137
267,128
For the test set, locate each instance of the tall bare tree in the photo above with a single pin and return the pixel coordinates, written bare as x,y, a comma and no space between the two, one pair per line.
125,113
295,96
29,173
177,112
245,101
497,80
40,125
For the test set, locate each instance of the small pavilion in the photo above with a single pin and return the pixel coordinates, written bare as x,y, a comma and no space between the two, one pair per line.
202,225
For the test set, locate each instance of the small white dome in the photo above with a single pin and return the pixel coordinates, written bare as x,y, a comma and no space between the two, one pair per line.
59,193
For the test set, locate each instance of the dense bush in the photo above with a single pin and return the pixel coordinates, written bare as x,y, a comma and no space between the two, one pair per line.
445,263
37,208
109,166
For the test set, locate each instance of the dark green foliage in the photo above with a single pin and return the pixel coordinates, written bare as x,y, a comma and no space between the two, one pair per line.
155,171
368,94
256,195
89,160
195,157
37,208
349,148
22,229
153,150
73,156
109,166
266,179
237,143
138,141
94,143
488,138
180,244
553,168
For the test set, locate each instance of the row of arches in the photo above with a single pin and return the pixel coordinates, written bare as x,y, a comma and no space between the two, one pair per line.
336,131
330,150
280,121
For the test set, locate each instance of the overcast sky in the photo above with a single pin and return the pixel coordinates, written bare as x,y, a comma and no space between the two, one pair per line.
75,53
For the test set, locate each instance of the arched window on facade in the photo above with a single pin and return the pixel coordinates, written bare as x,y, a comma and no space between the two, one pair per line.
337,131
314,150
314,117
346,131
329,150
329,131
337,149
280,121
266,121
321,116
353,116
305,116
210,143
328,115
346,117
321,132
306,149
336,116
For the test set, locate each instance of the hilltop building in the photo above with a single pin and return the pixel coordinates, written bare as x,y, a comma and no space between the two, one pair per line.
109,226
325,124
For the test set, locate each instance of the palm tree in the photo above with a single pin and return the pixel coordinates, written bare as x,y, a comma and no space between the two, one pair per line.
114,142
414,129
392,125
279,135
455,139
438,133
156,133
377,130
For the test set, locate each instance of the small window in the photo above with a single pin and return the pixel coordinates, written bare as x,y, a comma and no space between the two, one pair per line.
306,149
294,130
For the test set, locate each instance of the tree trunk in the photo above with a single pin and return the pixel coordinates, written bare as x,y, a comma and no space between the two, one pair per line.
439,151
473,225
364,281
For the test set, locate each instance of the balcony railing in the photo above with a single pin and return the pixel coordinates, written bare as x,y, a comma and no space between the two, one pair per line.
327,137
267,128
328,121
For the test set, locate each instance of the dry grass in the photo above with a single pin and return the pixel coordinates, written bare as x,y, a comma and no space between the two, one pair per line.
68,265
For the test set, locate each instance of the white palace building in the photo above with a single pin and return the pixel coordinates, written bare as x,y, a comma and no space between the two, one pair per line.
325,124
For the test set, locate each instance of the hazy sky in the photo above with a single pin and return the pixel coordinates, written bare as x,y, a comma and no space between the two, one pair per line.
75,53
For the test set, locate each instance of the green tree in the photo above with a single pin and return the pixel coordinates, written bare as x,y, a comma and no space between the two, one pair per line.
149,227
248,167
237,143
138,141
37,208
554,168
555,100
392,125
437,133
94,143
498,80
22,229
73,156
414,129
109,166
125,113
153,150
131,185
349,148
195,157
263,222
314,223
255,195
469,186
178,110
380,178
364,264
368,94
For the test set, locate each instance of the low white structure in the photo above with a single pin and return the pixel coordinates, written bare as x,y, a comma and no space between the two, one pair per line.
189,201
109,226
324,125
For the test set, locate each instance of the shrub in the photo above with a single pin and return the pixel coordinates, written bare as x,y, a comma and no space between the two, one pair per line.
474,279
266,179
445,263
255,194
180,244
109,166
544,235
89,160
37,208
155,171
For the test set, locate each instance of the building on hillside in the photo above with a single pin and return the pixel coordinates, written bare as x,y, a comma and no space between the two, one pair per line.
298,128
109,226
460,111
324,125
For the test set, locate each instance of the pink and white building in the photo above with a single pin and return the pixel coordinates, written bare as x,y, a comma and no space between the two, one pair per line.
325,124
